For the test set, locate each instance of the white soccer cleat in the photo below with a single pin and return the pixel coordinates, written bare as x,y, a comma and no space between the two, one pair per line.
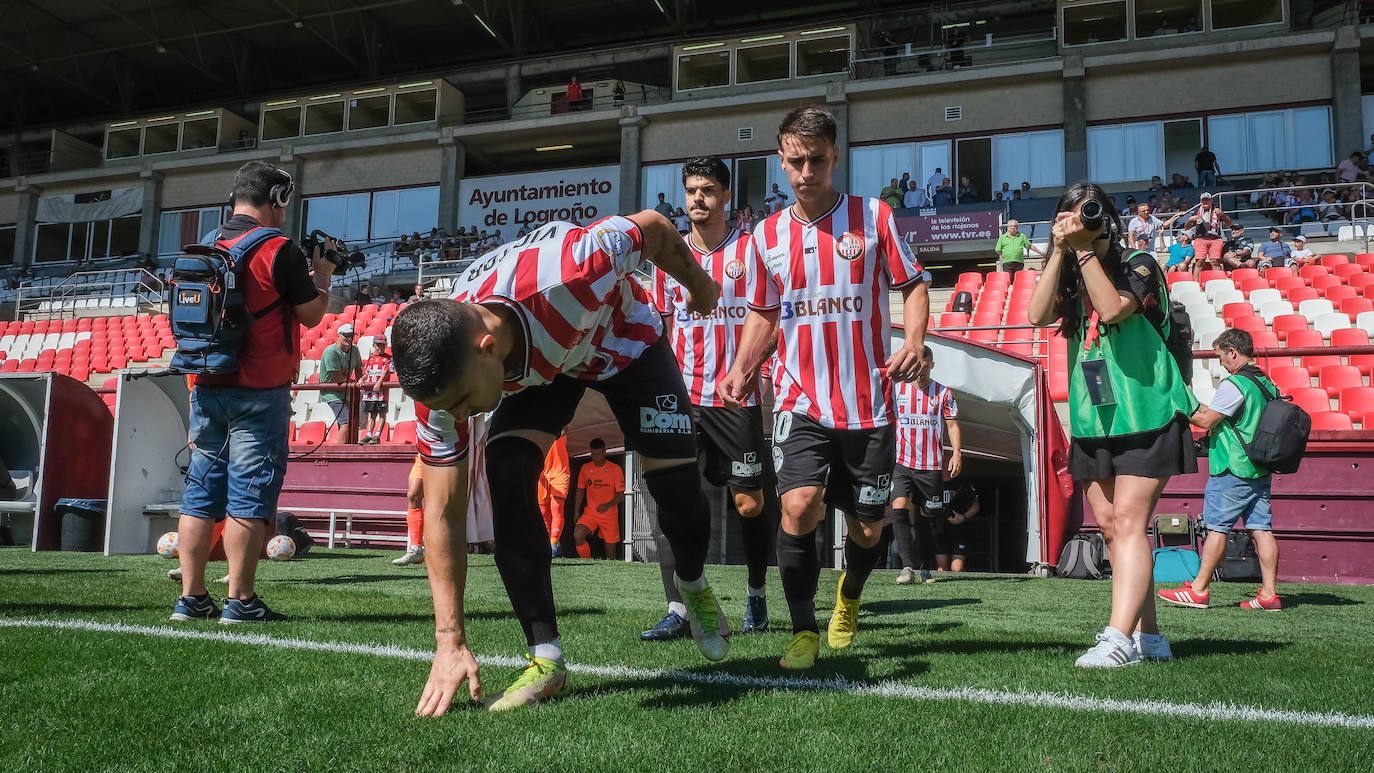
413,556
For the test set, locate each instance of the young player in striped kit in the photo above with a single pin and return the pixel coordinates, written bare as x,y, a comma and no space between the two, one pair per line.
529,327
924,409
730,439
820,285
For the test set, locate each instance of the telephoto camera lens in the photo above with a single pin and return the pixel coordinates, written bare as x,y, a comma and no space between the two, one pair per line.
1092,214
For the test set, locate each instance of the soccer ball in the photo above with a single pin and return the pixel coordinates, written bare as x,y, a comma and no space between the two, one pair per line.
281,548
167,545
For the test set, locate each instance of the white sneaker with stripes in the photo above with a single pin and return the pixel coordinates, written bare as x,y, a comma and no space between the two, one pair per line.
1112,650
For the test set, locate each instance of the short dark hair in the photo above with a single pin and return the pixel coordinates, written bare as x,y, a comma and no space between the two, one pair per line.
430,341
254,180
1232,338
707,166
927,353
597,443
808,121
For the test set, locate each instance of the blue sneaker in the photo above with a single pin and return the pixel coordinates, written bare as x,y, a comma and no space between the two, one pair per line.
756,614
672,626
190,608
250,611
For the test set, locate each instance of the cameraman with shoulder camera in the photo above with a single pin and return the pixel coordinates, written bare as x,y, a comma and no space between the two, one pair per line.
283,289
1128,403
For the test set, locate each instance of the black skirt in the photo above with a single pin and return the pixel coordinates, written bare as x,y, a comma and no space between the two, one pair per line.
1161,453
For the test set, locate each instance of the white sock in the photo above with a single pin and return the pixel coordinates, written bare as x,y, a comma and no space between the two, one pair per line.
757,593
550,650
679,608
1117,635
412,548
695,585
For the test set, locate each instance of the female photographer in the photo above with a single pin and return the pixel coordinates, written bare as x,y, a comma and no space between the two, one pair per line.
1128,402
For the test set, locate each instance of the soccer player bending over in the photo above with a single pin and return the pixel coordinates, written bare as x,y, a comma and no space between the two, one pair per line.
823,268
528,328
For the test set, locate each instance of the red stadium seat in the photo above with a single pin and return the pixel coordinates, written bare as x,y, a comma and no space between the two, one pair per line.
1177,276
1350,336
1306,338
1331,420
953,319
9,366
1323,283
971,277
1334,378
1209,275
1358,402
1365,259
1361,282
1243,274
984,336
1331,261
1288,284
311,432
1252,284
1059,385
1250,324
1273,275
1341,293
1287,323
1348,270
1289,378
403,433
1312,271
1311,399
1299,295
1353,307
1315,362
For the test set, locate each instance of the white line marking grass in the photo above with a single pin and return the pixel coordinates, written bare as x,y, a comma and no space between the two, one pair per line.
889,689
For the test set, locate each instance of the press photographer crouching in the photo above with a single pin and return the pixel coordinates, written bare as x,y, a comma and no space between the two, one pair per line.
1128,402
241,398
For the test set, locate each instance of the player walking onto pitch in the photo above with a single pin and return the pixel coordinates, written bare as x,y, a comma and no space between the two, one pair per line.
924,409
823,268
730,439
529,327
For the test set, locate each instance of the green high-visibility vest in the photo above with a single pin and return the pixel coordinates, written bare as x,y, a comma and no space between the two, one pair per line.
1226,451
1145,380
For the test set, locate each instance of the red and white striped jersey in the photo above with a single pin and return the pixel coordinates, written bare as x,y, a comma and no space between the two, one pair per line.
706,346
439,439
581,311
921,415
829,279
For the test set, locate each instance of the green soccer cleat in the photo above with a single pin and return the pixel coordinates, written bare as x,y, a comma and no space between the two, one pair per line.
710,629
844,622
801,652
540,680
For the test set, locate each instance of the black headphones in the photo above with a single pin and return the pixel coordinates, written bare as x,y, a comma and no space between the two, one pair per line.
280,194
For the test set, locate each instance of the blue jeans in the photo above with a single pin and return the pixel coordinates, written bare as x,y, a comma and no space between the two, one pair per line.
240,446
1207,179
1229,499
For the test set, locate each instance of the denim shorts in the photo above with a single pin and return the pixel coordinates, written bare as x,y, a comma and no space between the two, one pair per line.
1230,499
340,409
238,461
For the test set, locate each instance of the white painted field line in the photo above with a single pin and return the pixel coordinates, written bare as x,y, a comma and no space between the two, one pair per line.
1066,701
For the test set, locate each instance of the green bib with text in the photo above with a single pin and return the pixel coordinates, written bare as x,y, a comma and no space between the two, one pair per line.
1226,451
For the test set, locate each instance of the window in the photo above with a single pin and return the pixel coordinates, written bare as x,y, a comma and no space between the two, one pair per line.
201,133
1034,157
59,242
1094,23
1167,17
281,124
665,179
703,70
124,143
1125,152
369,112
1245,13
1270,140
324,118
6,245
345,217
161,137
763,63
404,212
872,168
416,106
182,227
822,56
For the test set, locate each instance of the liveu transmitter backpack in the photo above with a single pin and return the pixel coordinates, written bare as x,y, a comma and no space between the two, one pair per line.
208,314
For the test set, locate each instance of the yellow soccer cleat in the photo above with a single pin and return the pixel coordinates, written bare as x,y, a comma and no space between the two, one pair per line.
540,680
844,622
801,652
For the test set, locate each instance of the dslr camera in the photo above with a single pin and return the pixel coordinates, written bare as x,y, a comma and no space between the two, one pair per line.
343,261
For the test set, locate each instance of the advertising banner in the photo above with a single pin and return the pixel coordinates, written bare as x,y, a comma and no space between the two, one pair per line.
936,227
506,202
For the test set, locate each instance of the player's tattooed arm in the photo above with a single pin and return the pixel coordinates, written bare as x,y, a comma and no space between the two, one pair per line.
663,246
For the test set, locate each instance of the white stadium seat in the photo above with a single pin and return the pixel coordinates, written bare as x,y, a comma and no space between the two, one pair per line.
1260,297
1365,322
1273,309
1314,308
1332,321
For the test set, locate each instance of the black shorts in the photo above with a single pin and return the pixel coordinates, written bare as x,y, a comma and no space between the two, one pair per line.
648,399
730,441
923,488
373,407
1163,453
854,465
956,538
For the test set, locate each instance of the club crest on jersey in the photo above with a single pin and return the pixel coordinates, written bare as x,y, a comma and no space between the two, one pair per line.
850,246
734,269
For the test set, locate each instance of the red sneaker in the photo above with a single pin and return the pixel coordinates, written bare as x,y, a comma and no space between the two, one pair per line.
1187,597
1271,604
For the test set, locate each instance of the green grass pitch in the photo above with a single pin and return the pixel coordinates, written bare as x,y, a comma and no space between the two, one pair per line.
122,700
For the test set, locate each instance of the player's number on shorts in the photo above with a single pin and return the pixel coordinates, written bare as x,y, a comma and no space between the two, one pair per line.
782,426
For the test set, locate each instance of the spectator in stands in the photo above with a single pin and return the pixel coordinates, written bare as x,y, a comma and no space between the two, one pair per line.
1237,489
1026,191
683,223
618,94
1304,209
968,192
1273,253
1129,209
776,199
574,94
944,192
663,207
1206,223
1145,229
1301,256
419,294
397,298
1205,162
1181,252
1157,185
1011,248
1179,182
1349,169
1330,207
915,196
745,221
340,364
892,194
376,370
242,480
1239,250
936,180
364,295
902,183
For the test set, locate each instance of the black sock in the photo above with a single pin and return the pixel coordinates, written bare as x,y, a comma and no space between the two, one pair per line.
667,564
858,564
800,568
522,545
682,516
754,533
901,533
